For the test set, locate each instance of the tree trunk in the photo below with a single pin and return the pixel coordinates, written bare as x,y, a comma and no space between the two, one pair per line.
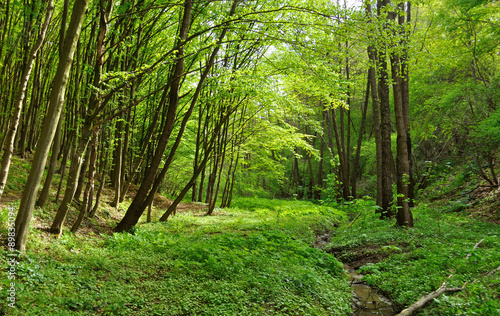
135,209
89,190
87,130
372,78
52,167
404,216
140,202
14,123
355,167
385,127
56,102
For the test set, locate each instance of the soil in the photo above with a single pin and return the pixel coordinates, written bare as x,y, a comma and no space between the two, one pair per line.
359,256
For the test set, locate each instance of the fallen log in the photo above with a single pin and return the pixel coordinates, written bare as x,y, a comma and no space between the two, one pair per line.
429,297
442,289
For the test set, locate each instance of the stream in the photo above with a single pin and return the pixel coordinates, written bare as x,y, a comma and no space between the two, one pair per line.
367,301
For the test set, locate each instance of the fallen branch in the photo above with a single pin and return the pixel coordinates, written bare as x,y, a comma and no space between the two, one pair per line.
429,297
442,289
486,274
473,249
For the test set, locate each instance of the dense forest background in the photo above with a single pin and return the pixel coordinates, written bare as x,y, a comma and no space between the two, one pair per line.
204,101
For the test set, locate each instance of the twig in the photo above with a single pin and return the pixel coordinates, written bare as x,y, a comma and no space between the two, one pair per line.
475,247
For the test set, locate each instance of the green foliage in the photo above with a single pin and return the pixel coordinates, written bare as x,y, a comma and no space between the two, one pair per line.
487,131
301,219
421,259
238,263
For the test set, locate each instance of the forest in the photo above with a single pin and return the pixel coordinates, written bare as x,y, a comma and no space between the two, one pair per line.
250,157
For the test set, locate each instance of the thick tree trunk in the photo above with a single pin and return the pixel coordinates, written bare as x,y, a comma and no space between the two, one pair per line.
385,127
56,102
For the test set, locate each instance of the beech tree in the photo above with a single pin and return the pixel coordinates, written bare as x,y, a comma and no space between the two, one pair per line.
55,106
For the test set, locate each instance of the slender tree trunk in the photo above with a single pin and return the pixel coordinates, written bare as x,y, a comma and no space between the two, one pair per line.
372,78
87,130
44,195
56,102
355,167
135,209
319,183
403,216
14,123
344,166
406,104
117,174
83,173
89,190
141,200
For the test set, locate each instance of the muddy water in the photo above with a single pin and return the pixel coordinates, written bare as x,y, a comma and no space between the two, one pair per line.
367,301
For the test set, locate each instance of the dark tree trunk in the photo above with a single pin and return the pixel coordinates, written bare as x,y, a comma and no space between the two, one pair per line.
385,127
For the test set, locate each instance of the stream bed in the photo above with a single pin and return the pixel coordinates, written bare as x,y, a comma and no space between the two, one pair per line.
367,301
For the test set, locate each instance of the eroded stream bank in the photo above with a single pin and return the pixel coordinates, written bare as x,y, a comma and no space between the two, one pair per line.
367,301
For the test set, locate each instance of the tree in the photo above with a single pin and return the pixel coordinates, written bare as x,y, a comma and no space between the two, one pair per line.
56,102
14,121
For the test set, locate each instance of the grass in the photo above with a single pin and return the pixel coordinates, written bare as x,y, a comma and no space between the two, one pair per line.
240,262
256,259
417,261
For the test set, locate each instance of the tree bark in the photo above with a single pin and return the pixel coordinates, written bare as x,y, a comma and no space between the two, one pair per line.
385,126
14,122
87,129
136,209
142,198
355,167
427,298
56,102
56,146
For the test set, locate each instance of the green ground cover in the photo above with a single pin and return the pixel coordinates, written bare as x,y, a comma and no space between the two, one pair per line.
241,262
257,259
417,261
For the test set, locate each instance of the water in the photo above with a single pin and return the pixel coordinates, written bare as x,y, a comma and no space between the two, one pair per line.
367,301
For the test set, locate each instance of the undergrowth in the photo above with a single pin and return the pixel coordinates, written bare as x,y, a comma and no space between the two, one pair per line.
240,262
440,248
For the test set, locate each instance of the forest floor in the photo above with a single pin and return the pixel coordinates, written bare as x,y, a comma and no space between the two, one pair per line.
259,257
